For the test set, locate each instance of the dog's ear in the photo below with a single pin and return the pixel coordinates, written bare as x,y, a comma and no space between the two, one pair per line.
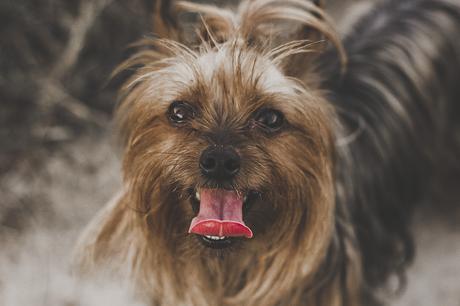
296,29
216,24
165,20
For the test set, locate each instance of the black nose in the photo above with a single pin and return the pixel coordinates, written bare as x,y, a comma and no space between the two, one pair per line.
220,163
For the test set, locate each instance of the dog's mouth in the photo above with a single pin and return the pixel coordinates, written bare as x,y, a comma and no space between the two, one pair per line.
219,220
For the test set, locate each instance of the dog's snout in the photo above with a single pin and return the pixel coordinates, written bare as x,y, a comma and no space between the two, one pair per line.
220,163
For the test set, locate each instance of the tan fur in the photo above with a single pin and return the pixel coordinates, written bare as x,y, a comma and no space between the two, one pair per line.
241,65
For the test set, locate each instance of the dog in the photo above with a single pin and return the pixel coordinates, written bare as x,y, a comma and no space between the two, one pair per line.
268,161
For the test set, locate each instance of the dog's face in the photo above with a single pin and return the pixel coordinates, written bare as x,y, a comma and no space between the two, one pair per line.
228,159
224,150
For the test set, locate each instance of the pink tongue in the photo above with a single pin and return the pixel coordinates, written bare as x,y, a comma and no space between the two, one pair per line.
221,214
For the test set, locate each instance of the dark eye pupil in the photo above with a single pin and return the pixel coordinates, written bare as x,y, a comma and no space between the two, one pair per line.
271,119
180,112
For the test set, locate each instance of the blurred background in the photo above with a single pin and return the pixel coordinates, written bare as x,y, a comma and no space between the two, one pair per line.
59,164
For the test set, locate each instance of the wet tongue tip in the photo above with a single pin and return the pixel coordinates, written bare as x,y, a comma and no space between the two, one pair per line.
220,228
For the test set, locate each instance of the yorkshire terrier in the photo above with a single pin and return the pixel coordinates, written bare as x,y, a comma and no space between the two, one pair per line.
269,162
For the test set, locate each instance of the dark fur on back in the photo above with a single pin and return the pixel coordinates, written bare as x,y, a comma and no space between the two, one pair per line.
396,101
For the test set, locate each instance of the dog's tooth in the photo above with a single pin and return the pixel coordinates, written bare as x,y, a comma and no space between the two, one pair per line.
245,198
197,195
215,237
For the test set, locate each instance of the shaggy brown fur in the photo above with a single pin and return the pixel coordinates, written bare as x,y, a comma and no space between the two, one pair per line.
260,55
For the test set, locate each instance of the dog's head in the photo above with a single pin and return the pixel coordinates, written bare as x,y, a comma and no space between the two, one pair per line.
224,147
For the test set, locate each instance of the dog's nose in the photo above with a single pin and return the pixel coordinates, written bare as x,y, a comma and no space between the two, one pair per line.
220,163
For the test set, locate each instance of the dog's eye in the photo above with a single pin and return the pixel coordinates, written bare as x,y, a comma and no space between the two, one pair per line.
270,119
180,112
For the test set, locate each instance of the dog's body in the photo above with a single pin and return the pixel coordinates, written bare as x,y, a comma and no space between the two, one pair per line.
324,158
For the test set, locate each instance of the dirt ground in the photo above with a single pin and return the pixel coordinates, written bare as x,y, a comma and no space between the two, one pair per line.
434,279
